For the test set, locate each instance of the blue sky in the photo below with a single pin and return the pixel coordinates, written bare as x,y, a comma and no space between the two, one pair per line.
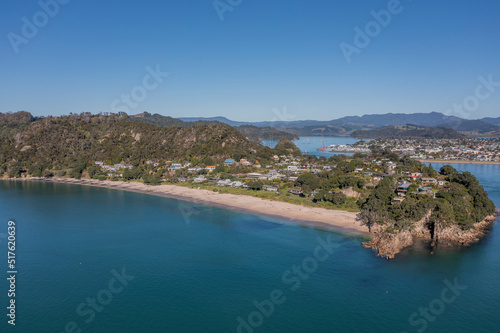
266,60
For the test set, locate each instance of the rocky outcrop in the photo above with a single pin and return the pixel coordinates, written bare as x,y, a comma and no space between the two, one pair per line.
455,235
389,242
349,192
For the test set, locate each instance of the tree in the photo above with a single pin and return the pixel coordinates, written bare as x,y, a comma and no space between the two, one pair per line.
308,179
447,170
151,179
255,185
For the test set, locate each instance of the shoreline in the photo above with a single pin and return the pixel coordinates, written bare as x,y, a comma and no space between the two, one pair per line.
460,162
334,220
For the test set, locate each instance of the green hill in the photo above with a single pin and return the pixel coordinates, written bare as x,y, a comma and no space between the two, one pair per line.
57,143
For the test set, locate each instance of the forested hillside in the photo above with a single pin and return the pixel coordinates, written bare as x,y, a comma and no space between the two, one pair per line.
55,143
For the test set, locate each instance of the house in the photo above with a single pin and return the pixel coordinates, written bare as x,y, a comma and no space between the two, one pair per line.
199,179
245,162
275,175
380,176
182,179
368,173
257,165
116,175
328,167
100,163
292,168
292,179
213,179
270,188
313,193
175,166
296,191
123,166
441,183
358,170
254,175
224,183
210,168
414,175
397,200
425,190
236,184
402,189
428,180
276,158
229,161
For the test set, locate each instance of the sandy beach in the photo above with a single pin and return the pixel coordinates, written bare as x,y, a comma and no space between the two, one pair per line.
336,220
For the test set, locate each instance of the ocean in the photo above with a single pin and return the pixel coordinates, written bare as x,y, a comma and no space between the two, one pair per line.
102,260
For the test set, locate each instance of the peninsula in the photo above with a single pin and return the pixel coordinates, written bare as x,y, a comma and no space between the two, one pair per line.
381,191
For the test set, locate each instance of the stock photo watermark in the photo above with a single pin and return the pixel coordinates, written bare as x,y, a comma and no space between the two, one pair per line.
139,93
282,115
94,305
188,210
420,319
292,279
30,28
11,272
223,6
372,29
484,90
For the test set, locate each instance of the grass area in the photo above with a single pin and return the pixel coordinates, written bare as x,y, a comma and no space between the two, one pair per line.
283,195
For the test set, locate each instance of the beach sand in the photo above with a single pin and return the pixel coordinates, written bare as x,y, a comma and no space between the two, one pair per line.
460,162
337,220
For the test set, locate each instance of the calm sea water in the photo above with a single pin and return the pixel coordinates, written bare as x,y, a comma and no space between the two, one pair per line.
198,269
310,144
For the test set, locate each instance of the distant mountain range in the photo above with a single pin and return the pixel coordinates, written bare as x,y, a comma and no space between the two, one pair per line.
346,125
408,132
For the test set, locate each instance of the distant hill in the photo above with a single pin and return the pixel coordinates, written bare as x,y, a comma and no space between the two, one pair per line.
471,126
379,120
21,117
494,121
223,120
346,125
253,133
407,132
257,134
165,121
287,147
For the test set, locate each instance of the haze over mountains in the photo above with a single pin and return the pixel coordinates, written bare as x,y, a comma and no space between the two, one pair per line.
348,124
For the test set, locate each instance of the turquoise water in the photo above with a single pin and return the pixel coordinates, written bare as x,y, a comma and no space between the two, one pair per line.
198,269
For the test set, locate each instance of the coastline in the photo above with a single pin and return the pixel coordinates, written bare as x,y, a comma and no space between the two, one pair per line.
460,162
334,220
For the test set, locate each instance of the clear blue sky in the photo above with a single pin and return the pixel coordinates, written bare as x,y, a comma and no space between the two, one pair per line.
264,56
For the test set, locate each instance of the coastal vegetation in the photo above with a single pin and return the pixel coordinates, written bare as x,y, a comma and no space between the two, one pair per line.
397,197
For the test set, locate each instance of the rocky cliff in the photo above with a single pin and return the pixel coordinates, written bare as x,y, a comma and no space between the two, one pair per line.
388,243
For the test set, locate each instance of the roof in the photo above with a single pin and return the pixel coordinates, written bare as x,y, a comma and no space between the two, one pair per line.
229,160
